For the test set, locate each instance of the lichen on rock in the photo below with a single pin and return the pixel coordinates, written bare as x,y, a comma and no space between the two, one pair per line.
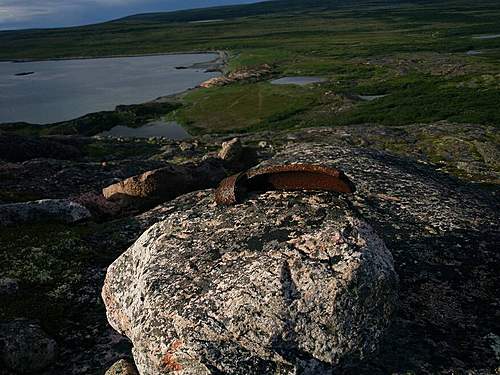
284,282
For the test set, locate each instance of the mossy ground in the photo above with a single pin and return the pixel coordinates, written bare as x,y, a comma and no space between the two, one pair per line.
48,261
243,106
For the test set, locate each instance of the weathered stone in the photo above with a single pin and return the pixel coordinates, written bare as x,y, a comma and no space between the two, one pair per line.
59,210
243,75
237,157
166,183
122,367
25,347
231,150
284,282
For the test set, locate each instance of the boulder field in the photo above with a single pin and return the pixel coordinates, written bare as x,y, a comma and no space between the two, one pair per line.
291,282
283,281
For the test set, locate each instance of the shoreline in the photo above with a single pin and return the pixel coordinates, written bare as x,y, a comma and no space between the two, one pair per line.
26,60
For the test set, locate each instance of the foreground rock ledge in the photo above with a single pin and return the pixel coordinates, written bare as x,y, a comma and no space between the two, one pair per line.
284,282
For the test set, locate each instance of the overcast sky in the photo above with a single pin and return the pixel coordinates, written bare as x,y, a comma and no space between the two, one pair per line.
20,14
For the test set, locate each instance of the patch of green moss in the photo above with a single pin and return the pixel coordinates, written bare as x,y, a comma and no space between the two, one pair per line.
243,106
48,261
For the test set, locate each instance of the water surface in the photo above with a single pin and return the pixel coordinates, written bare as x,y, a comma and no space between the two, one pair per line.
166,129
208,21
66,89
370,98
302,81
491,36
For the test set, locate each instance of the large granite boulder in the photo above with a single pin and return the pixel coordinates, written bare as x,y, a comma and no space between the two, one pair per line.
285,282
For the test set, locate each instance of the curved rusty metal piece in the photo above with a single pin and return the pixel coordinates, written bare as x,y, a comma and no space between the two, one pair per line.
283,177
228,190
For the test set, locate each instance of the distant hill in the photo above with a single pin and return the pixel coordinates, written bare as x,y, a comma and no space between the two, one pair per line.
248,10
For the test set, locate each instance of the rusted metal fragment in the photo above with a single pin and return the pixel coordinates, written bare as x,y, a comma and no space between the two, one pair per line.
283,177
229,189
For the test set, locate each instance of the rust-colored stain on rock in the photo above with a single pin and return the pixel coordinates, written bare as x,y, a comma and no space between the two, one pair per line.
282,177
169,360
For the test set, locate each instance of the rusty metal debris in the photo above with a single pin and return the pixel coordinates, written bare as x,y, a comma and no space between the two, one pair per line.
282,177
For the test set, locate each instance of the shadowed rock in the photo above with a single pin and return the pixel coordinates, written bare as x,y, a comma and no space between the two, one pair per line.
122,367
17,148
231,150
58,210
25,347
165,183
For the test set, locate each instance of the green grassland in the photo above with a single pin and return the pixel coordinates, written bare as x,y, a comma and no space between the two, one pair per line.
412,51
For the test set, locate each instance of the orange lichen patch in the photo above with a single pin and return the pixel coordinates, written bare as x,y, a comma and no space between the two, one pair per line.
119,320
168,360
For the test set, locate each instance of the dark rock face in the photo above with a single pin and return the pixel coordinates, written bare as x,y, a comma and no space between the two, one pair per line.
24,347
8,287
48,178
59,210
14,148
284,282
235,156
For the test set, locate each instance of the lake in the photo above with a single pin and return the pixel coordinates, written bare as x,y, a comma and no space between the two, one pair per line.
43,92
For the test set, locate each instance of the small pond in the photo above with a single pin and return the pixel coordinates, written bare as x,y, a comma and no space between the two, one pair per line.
208,21
165,129
370,98
473,53
301,81
491,36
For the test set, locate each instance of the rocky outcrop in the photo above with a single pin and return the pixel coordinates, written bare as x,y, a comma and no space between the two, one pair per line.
166,183
285,282
243,75
133,115
57,210
442,232
445,251
25,347
163,184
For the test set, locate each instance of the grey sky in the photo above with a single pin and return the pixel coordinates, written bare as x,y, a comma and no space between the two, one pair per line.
16,14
